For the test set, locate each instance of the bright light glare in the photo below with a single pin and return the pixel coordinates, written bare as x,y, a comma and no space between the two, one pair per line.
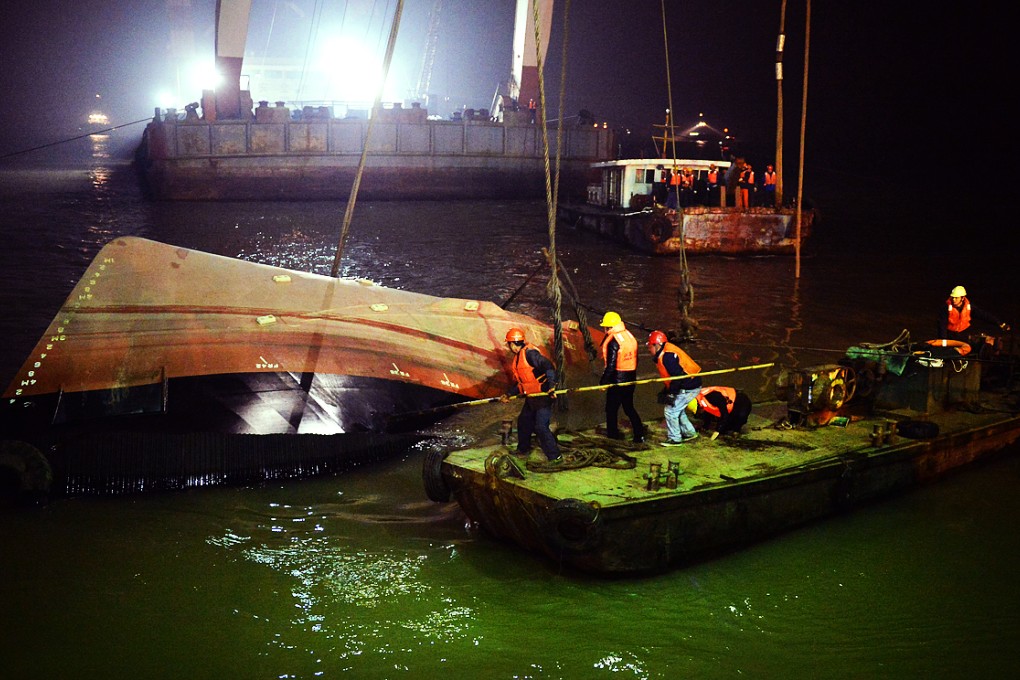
166,100
202,76
98,119
352,71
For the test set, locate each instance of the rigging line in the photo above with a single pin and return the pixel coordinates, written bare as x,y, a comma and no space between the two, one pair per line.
553,288
349,212
535,271
71,139
313,29
571,390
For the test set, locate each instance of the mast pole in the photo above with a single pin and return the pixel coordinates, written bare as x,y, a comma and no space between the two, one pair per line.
780,43
803,122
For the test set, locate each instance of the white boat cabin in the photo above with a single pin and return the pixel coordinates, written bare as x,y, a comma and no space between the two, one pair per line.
624,179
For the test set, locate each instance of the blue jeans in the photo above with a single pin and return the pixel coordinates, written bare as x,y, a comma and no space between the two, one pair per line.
535,418
678,425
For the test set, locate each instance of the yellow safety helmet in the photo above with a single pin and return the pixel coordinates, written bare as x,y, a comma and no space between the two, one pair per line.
692,407
610,319
959,291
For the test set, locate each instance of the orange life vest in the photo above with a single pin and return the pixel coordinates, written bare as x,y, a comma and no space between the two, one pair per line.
675,179
959,319
770,178
728,392
524,373
688,364
713,177
626,357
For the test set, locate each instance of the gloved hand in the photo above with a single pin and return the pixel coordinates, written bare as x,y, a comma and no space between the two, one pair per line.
1004,326
665,398
552,393
504,399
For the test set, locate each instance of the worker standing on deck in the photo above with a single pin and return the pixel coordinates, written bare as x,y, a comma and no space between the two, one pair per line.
769,186
723,410
534,377
676,394
957,312
712,180
620,352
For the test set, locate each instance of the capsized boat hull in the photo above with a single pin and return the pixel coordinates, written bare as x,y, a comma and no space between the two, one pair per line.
730,493
705,231
163,341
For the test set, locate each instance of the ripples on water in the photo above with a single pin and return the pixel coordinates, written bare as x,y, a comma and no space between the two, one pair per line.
361,573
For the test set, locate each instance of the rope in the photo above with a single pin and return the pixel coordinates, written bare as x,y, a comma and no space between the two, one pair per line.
685,294
349,212
582,316
551,191
572,390
71,139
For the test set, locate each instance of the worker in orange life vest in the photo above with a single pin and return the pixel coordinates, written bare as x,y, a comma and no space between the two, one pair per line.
676,394
956,316
712,184
534,377
620,352
723,409
769,186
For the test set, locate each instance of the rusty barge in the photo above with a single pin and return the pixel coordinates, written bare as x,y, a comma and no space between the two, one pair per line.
622,206
615,509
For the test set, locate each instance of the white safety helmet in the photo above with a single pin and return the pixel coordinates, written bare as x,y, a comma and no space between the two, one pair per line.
959,291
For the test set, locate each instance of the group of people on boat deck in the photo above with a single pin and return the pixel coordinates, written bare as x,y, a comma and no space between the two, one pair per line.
723,409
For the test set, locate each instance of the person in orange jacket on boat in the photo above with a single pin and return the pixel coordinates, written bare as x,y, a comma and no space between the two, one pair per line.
723,410
956,316
535,378
676,394
620,352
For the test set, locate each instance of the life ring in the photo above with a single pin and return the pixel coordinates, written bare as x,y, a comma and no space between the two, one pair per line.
572,525
962,348
25,474
436,487
917,429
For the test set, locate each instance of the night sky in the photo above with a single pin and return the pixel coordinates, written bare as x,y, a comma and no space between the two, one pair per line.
892,91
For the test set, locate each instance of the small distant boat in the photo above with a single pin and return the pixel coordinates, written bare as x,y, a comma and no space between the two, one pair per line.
168,367
615,508
622,207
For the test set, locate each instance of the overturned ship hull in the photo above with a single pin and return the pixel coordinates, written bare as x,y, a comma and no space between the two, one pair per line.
168,367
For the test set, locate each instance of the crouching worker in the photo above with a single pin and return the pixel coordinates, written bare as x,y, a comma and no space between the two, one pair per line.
723,410
535,378
674,362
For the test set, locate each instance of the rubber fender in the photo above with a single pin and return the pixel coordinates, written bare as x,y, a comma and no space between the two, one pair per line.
572,525
917,429
658,229
436,488
25,474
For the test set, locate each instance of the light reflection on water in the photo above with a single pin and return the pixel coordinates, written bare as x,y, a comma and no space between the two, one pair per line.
360,573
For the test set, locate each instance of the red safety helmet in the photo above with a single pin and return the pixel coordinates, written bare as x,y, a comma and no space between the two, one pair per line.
657,338
515,335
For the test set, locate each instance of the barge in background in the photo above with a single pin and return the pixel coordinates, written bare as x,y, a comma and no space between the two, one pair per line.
621,207
613,508
167,368
273,156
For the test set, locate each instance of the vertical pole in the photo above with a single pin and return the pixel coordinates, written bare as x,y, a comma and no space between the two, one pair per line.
780,44
803,122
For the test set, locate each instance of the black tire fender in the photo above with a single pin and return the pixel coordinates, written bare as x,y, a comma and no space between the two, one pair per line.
25,474
658,229
572,525
436,488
